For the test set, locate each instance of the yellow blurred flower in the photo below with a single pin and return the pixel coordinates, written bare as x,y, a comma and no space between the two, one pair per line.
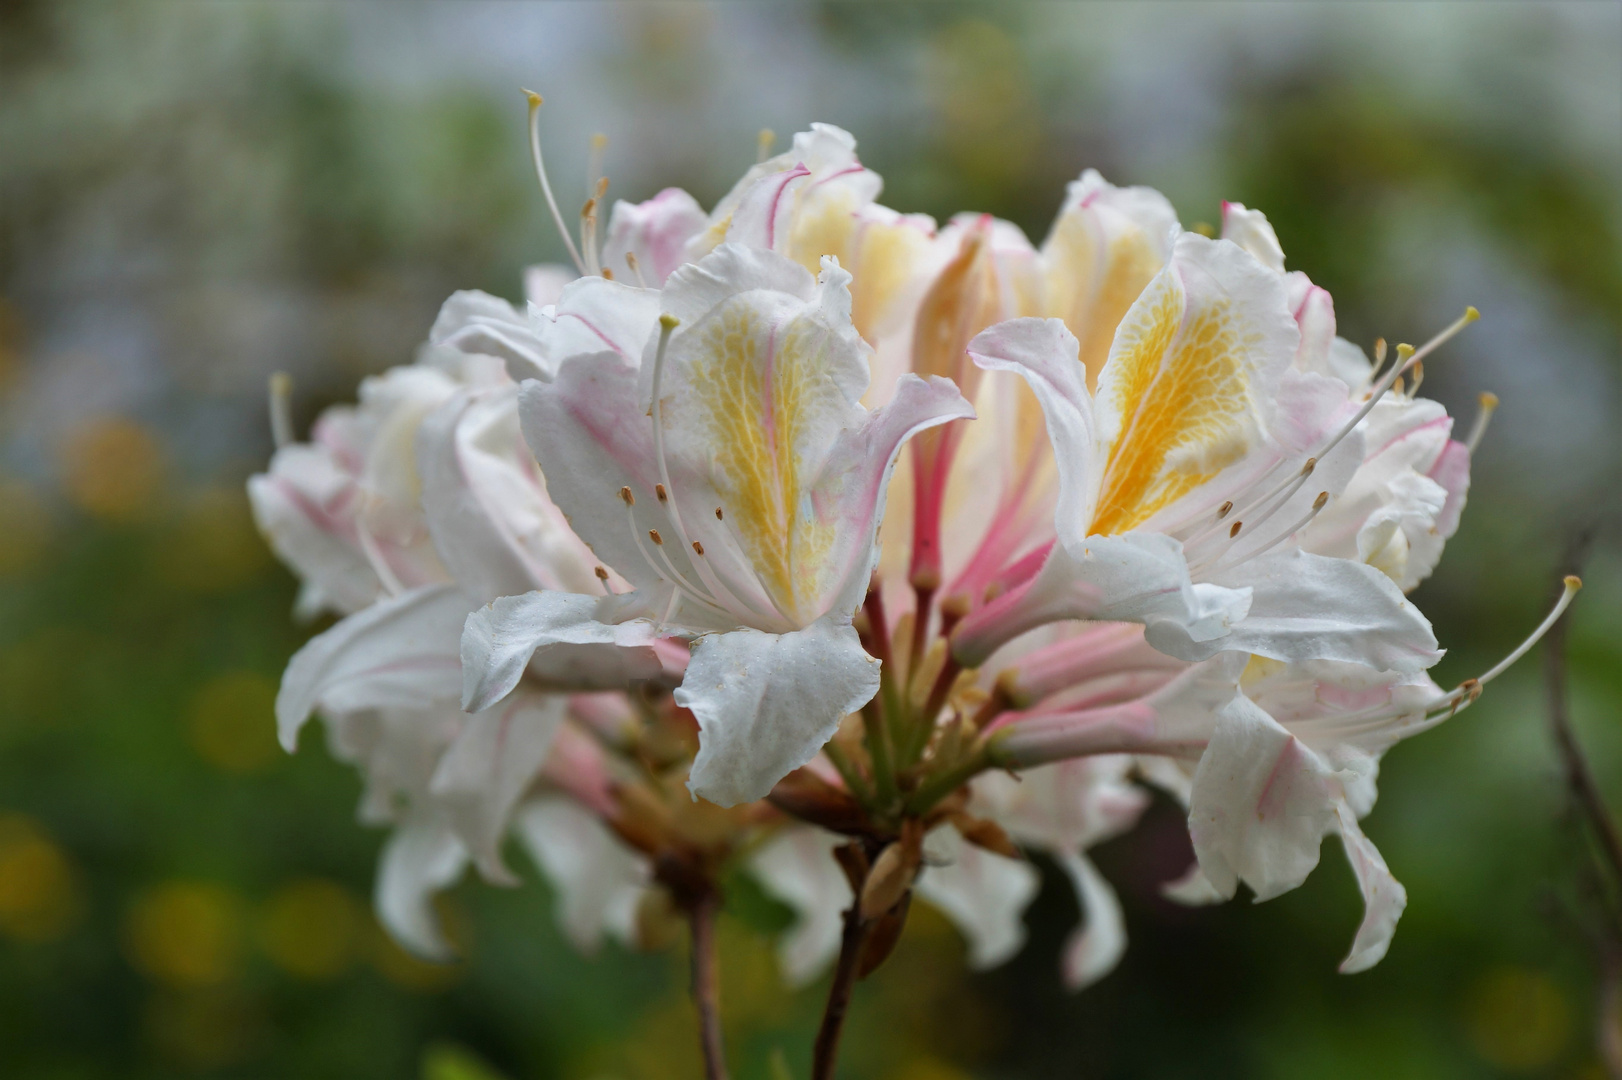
186,934
232,722
27,527
39,899
211,546
112,468
204,1029
1517,1019
313,928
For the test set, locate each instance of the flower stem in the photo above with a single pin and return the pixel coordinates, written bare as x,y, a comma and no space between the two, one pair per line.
707,985
937,787
826,1049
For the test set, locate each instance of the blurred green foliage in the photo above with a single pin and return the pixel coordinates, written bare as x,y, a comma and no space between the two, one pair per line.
178,897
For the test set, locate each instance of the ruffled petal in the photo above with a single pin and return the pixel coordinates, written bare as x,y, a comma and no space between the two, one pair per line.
483,774
421,858
1384,898
1106,245
1138,577
1307,607
1094,948
1261,804
766,703
597,882
656,232
556,637
400,652
984,894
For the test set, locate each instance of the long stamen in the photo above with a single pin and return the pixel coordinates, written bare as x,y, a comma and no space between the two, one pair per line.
1465,694
660,563
763,144
1220,564
546,185
1288,486
1489,404
281,409
636,269
594,160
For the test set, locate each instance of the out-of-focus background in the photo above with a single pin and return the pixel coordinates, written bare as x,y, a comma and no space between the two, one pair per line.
195,195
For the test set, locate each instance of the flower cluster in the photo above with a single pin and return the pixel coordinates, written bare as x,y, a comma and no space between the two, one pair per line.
612,577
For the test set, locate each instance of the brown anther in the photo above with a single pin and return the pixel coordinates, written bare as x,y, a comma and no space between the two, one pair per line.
653,534
1222,511
659,490
1471,688
1233,532
717,513
1320,501
602,575
630,260
608,274
626,497
602,187
698,548
589,208
1312,463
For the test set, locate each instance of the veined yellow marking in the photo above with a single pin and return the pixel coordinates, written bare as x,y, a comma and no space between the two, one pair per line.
1181,389
755,426
1093,280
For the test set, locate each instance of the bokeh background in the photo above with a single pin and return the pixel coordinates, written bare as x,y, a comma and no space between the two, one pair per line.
194,195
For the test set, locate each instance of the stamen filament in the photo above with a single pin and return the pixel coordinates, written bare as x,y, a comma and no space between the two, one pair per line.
546,185
281,409
636,269
763,144
1489,404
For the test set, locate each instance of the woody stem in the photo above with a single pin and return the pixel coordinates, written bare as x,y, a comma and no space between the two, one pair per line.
826,1049
707,985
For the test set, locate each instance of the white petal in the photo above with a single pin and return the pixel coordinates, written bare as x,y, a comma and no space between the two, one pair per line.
1044,353
799,869
1094,948
557,637
1383,896
1193,889
402,652
305,507
597,881
1136,577
421,858
480,324
1251,230
1261,804
1307,607
493,525
655,231
766,703
984,895
484,773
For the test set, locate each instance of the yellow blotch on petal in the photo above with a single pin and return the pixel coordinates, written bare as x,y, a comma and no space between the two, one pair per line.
1180,387
758,391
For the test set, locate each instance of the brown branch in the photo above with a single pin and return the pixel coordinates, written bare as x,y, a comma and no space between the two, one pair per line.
1583,792
851,947
1580,782
707,984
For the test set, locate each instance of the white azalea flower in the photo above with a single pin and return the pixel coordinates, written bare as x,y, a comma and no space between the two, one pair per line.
1184,481
737,484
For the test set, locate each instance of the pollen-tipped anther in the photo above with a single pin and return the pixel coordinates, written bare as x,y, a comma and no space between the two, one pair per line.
1233,532
1488,404
602,574
698,548
659,492
626,497
653,534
